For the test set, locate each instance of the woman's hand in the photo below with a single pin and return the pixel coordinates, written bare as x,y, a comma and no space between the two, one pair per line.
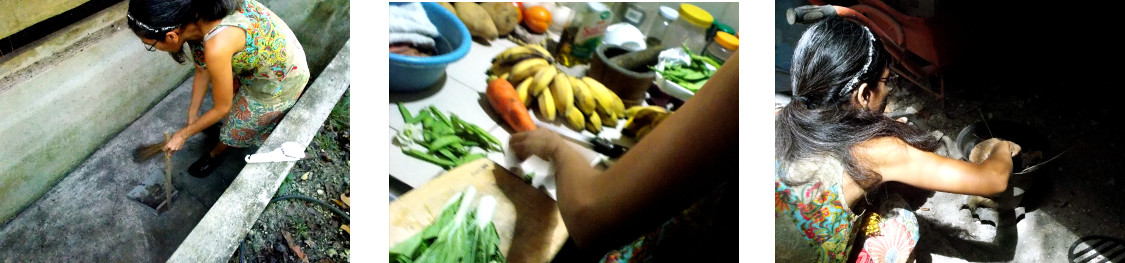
176,142
1012,147
540,142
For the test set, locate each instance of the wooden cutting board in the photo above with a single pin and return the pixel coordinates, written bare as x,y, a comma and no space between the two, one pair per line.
528,221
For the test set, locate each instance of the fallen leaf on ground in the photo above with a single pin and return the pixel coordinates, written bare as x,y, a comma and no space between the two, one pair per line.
346,229
292,246
305,176
341,204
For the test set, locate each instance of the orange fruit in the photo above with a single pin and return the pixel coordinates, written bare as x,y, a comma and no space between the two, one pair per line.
537,19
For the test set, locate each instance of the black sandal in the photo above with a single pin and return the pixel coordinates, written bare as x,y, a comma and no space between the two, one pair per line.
204,166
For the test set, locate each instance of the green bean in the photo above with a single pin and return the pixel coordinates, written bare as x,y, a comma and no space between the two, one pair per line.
430,158
441,142
405,114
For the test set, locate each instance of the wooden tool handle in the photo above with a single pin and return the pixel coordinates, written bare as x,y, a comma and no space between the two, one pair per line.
167,170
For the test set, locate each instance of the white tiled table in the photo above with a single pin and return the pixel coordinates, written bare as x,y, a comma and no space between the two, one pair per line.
463,94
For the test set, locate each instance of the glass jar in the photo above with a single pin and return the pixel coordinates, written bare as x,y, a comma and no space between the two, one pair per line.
657,28
715,28
725,45
689,29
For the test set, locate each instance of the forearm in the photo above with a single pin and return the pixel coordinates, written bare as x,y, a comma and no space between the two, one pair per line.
573,179
209,118
198,90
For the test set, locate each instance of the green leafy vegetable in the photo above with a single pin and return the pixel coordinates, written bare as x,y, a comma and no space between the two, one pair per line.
444,141
457,235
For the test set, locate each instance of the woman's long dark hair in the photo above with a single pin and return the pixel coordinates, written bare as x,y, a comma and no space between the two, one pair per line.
153,18
832,59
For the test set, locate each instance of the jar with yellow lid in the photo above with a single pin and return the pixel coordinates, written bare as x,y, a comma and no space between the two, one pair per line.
689,28
724,46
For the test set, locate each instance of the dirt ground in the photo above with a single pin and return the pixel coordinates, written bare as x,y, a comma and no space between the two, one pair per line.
315,230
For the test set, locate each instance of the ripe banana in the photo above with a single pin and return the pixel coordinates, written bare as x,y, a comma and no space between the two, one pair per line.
618,105
510,53
563,94
632,111
601,94
541,51
527,68
575,120
582,96
547,106
594,124
543,79
607,119
645,117
522,90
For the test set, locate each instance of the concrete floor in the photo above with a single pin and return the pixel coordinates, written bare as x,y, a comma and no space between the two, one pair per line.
88,217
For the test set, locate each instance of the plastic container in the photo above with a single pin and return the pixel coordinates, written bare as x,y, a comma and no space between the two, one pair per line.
656,30
690,28
583,34
408,73
725,45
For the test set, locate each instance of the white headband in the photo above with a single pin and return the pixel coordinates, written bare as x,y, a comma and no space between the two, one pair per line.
870,56
146,27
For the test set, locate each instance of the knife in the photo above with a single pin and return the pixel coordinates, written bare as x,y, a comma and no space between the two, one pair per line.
598,144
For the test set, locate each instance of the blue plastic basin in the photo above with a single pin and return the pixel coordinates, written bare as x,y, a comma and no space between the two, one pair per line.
410,73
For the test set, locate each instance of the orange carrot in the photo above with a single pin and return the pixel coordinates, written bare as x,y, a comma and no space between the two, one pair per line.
506,102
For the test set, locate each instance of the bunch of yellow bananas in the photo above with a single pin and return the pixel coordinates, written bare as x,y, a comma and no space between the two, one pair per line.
583,102
642,119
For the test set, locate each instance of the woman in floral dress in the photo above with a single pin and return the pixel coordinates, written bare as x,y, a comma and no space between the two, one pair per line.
250,58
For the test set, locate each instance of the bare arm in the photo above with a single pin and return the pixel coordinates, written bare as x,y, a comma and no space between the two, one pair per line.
218,53
198,90
898,161
688,154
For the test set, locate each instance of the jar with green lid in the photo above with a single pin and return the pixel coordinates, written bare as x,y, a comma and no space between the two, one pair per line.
725,45
583,34
690,28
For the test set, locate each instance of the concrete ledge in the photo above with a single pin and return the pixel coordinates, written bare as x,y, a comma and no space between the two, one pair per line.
75,90
217,236
31,12
44,51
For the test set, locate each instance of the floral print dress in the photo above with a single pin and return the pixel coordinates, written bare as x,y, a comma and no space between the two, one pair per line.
810,202
270,73
700,233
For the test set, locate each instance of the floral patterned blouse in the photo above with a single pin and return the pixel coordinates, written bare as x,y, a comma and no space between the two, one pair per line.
271,57
812,205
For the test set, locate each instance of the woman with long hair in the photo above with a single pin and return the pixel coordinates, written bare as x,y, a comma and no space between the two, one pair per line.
834,146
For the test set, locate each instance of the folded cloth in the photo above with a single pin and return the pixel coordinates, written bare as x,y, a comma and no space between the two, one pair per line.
409,23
